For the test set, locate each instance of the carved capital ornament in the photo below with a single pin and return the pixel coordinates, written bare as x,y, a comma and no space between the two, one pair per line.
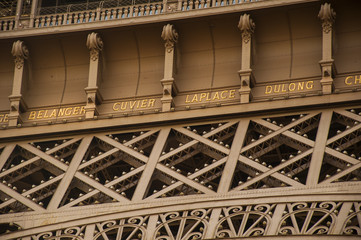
95,44
170,36
20,52
247,26
327,16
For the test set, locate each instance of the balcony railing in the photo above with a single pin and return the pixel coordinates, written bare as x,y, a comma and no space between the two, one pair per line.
111,10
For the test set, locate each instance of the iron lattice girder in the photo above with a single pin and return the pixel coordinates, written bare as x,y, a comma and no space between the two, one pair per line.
202,155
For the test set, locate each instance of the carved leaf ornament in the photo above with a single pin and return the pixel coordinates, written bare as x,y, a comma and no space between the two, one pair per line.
327,16
170,36
20,52
247,26
95,44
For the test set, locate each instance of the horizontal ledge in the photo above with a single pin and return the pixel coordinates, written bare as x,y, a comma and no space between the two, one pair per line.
130,122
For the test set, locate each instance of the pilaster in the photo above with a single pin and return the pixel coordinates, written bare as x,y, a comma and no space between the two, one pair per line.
247,26
95,45
170,36
20,53
327,16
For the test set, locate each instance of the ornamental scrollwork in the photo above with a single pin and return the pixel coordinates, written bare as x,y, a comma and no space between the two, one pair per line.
20,52
170,36
327,16
247,26
244,221
185,225
95,44
309,218
75,233
352,224
131,228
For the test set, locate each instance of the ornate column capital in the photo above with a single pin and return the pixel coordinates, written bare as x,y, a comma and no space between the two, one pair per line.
170,36
327,16
247,26
20,52
95,44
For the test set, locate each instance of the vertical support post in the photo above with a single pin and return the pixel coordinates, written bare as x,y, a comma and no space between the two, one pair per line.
152,224
327,16
89,232
170,36
95,45
276,219
34,7
20,53
247,26
319,149
340,220
19,7
213,221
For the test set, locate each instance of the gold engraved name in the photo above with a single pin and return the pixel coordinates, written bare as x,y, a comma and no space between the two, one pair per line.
209,96
4,118
135,104
353,80
289,87
51,113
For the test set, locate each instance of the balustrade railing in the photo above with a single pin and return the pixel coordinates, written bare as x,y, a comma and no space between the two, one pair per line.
7,24
111,10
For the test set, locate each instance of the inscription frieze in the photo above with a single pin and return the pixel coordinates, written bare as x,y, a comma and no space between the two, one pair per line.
57,112
4,117
289,87
139,104
204,97
353,80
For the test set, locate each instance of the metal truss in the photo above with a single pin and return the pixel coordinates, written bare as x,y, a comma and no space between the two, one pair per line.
253,156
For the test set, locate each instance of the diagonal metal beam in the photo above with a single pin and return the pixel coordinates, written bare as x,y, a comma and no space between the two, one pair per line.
69,174
45,156
20,198
184,179
124,148
6,154
230,166
341,156
192,176
144,180
203,140
319,149
272,172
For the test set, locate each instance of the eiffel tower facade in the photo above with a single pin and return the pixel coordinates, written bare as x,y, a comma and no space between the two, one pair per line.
180,119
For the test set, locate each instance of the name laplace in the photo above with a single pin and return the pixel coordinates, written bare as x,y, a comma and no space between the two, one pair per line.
209,96
51,113
289,87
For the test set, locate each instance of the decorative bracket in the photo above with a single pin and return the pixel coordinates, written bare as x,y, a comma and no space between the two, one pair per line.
95,46
327,16
20,53
170,36
247,26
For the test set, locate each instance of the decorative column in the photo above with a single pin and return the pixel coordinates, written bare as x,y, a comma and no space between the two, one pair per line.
327,16
170,36
95,45
247,26
20,53
34,7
